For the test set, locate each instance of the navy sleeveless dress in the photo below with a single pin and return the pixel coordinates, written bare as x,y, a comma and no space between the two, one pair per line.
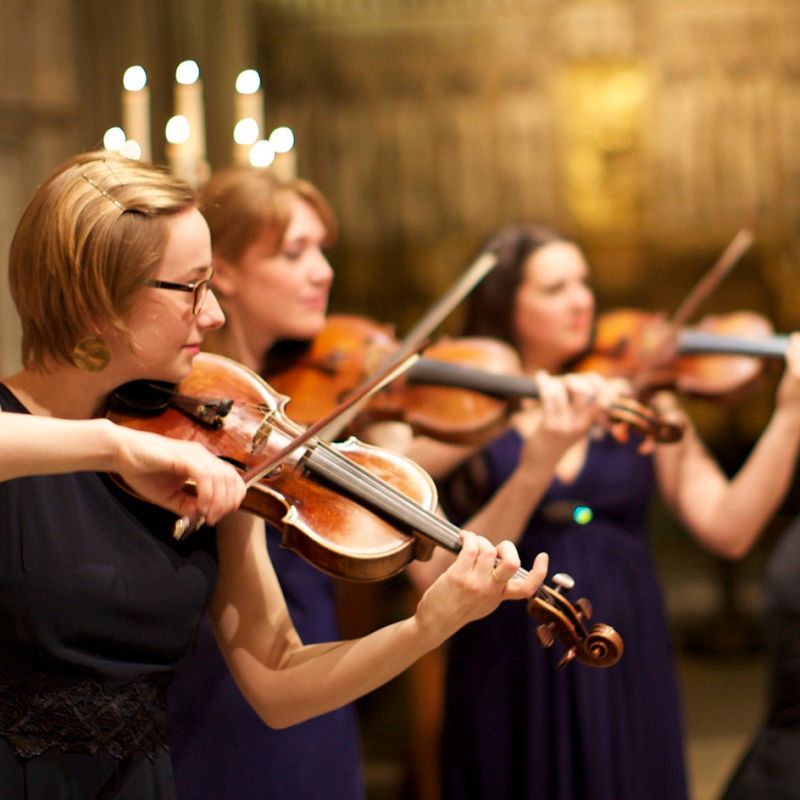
221,748
770,770
98,605
516,727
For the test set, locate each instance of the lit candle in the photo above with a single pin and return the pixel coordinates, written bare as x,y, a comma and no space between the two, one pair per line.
189,104
285,163
179,156
248,113
136,109
245,134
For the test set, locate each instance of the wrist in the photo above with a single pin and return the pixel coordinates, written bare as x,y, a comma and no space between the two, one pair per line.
108,437
430,625
787,419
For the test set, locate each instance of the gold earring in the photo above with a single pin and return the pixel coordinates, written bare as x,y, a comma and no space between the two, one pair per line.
91,354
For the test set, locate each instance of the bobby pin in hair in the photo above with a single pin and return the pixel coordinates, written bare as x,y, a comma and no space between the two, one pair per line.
103,191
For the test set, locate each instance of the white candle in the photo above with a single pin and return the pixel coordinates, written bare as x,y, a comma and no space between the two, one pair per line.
245,134
189,104
248,115
136,109
285,163
180,158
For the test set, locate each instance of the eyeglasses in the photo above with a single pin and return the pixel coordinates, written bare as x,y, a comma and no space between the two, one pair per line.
199,290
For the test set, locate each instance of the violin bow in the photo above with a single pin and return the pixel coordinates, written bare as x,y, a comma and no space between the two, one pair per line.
417,337
473,275
698,294
184,526
730,256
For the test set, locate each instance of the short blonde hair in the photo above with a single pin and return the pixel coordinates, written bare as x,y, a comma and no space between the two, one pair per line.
88,240
240,203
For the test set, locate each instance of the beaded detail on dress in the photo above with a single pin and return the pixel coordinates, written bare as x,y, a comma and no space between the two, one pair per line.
79,715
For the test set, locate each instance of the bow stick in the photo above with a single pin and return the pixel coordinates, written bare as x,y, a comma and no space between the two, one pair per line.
417,337
698,294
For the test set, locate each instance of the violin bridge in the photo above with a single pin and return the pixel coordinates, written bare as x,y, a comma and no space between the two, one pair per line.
261,436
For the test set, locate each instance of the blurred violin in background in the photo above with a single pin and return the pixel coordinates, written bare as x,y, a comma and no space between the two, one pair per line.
462,390
723,357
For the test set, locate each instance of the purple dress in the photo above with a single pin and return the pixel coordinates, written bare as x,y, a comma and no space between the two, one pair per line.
518,727
221,748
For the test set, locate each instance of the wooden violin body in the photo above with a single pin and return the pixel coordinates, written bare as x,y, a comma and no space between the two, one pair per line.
723,357
344,539
352,510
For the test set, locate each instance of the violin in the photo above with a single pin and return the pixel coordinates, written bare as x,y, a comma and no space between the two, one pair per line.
723,357
461,390
352,510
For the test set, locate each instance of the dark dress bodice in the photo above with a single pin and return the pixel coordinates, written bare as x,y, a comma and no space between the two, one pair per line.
98,606
517,726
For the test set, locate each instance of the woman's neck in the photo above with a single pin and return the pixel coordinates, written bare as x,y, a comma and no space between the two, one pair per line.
245,345
64,392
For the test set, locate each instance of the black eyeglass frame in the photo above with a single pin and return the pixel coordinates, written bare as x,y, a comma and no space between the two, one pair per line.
194,287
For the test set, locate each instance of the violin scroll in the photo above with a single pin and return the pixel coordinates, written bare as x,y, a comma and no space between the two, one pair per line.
599,647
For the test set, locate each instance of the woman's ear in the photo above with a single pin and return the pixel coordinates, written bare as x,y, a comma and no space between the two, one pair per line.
223,282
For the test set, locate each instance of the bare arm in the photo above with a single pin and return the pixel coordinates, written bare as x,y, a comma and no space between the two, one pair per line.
727,515
155,466
287,682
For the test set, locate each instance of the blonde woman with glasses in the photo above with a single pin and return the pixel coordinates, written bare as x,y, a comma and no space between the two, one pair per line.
109,271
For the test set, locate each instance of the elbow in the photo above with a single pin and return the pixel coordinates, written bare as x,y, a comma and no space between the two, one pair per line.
278,722
736,552
281,715
732,552
730,549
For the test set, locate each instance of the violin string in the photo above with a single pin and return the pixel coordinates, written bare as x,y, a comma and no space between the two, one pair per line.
323,458
351,476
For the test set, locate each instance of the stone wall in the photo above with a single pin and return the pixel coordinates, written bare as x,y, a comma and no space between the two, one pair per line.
650,130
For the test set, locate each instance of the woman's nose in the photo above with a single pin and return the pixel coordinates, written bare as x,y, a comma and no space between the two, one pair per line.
583,296
321,270
211,315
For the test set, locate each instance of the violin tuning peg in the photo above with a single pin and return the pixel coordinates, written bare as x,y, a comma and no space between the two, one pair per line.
563,582
545,635
584,607
568,656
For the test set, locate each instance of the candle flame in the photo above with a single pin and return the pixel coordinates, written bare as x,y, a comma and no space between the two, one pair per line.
113,139
262,154
282,139
245,131
134,79
177,129
187,72
248,82
131,149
